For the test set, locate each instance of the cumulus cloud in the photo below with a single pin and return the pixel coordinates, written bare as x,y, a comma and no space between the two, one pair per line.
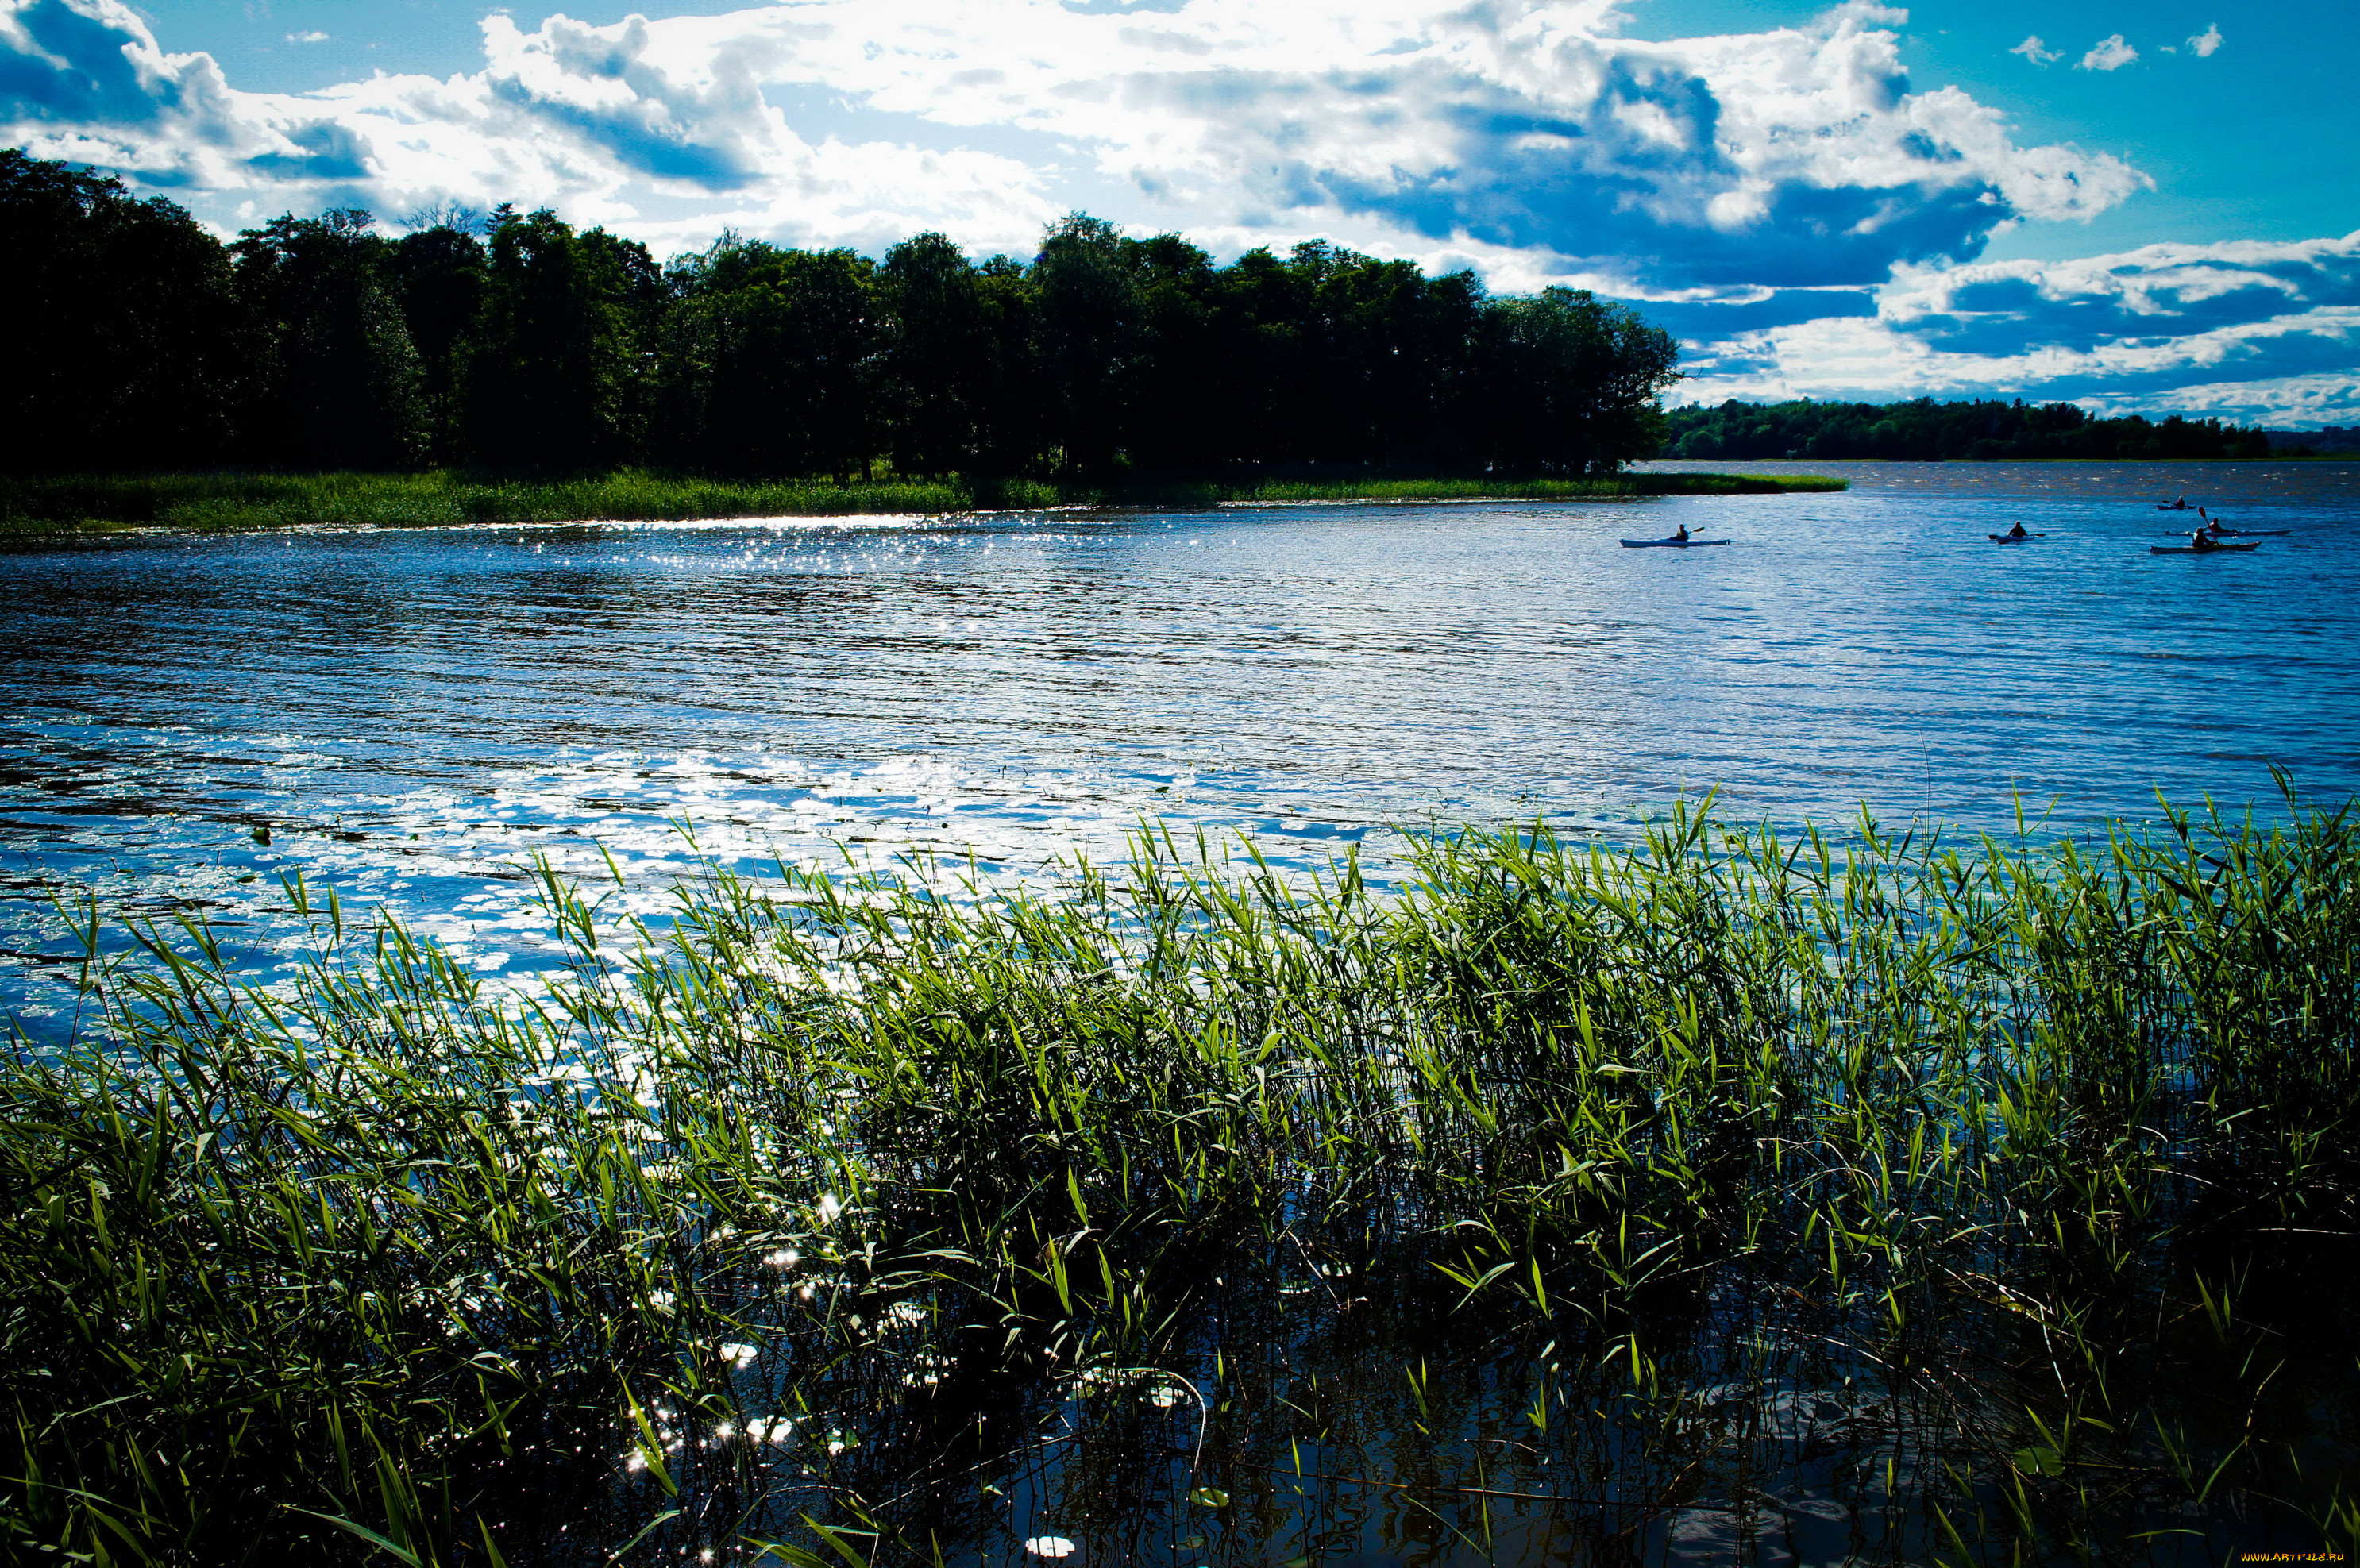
1525,133
2246,329
311,38
2205,42
1784,200
2108,54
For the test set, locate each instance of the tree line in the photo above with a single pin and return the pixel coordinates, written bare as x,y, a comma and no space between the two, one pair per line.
1930,430
517,341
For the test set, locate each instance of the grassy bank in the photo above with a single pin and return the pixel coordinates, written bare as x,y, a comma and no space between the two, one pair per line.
213,502
2000,1205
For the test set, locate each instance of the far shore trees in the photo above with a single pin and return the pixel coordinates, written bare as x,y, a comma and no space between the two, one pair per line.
518,342
1925,431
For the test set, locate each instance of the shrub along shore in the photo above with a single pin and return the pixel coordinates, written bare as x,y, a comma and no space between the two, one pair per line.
2000,1201
217,502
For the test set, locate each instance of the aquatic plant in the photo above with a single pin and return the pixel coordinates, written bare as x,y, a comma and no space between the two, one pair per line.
446,498
1981,1202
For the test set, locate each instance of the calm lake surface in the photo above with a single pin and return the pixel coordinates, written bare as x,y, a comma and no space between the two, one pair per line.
414,715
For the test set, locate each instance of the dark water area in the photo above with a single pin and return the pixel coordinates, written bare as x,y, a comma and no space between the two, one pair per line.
412,716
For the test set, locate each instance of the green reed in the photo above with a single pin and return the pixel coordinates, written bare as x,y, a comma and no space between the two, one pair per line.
225,502
755,1231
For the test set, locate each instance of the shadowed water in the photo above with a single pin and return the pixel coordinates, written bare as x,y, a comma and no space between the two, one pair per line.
413,715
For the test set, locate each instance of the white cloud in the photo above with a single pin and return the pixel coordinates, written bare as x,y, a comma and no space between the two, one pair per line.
1527,132
312,38
2031,49
2108,54
2205,42
2250,330
1779,176
2282,402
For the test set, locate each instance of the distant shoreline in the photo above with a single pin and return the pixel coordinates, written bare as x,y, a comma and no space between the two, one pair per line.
225,502
1992,462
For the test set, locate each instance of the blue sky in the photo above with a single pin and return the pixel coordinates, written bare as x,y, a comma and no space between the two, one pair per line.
2151,207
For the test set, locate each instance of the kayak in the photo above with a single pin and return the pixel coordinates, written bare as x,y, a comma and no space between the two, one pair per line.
2166,506
1668,544
2016,539
2192,549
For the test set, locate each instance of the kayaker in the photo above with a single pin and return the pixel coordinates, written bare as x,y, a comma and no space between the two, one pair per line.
2200,541
1683,535
2017,531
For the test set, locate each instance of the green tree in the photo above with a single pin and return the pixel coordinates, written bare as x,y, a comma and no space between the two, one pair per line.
1012,391
1088,337
1923,429
124,331
1178,381
338,382
557,375
937,341
1568,383
772,360
438,274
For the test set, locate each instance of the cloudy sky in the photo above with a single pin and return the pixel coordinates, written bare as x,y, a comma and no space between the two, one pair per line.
2149,206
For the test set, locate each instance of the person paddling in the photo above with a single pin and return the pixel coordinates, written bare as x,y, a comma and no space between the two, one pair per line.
2212,526
2201,541
1682,537
2017,531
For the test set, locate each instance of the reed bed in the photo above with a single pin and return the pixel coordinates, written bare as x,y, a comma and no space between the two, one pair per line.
229,502
1666,1203
217,503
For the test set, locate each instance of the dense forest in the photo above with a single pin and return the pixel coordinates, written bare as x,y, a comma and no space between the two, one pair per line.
515,342
1926,430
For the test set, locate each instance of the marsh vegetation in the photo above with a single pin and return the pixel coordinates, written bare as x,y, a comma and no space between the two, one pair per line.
38,506
1723,1197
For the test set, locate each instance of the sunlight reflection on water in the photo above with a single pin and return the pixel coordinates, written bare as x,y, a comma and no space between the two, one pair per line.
414,715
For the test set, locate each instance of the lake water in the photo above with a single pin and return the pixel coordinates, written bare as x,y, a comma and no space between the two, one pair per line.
413,715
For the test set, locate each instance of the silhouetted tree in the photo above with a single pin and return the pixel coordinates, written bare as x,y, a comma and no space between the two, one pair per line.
1088,326
1385,351
135,340
772,359
1178,385
935,339
437,275
1927,430
1012,402
1566,383
123,327
1261,307
557,375
338,382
